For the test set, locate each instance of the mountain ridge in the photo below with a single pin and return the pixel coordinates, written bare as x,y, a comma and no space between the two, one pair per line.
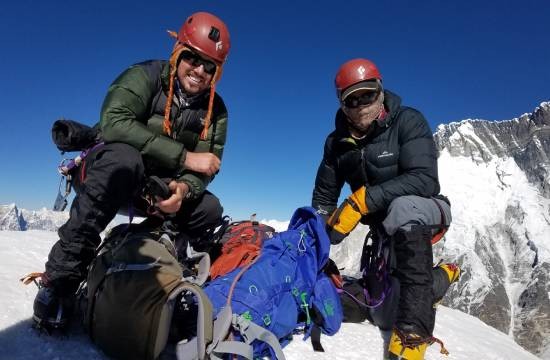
497,175
15,219
526,139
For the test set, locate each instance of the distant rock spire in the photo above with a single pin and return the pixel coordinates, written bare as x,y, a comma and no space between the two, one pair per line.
10,218
14,219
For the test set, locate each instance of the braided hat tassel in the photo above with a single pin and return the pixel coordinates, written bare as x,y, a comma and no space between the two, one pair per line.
167,124
204,132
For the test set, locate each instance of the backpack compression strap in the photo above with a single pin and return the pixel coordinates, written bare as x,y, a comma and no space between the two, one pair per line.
248,330
188,350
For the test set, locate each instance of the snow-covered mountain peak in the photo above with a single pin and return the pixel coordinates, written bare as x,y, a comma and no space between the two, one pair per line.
10,218
526,139
497,175
13,218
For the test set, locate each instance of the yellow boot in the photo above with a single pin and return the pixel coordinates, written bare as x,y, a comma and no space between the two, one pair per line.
452,270
444,275
406,347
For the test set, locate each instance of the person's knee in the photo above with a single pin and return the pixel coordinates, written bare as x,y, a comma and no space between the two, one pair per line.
402,213
112,174
403,204
122,164
127,157
203,218
212,209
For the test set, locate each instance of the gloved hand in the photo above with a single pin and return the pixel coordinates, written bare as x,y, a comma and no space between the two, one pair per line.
344,219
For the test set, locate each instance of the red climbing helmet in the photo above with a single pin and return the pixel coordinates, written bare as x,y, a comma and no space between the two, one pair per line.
207,34
354,72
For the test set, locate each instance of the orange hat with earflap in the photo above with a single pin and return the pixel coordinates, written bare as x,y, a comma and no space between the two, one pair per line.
208,35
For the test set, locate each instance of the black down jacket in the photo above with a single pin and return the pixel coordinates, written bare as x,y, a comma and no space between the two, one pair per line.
398,157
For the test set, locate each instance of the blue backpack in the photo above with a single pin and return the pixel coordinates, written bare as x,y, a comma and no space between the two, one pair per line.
284,289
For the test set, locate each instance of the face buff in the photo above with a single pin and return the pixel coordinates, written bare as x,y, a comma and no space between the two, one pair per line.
361,118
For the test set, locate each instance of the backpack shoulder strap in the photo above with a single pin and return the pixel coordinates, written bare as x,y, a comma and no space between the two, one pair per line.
250,333
316,339
196,348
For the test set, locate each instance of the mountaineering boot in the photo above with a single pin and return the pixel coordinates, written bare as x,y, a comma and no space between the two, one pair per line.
406,346
414,270
52,311
452,270
444,276
386,337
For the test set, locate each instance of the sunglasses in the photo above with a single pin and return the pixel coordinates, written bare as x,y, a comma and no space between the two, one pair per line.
366,98
195,59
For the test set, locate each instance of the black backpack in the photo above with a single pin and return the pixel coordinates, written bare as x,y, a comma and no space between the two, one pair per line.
133,286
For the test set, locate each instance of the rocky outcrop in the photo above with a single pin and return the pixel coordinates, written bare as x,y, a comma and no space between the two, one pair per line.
532,326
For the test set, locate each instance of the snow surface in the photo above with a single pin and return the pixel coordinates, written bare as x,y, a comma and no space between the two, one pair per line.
276,224
22,252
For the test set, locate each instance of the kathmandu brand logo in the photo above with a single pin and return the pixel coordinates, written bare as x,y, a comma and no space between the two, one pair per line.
385,154
219,46
361,70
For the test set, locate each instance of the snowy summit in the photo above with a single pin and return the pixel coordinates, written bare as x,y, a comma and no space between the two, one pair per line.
22,252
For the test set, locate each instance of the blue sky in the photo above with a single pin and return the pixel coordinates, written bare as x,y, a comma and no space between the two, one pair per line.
452,60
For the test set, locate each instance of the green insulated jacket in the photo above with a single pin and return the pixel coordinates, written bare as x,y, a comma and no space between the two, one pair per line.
133,113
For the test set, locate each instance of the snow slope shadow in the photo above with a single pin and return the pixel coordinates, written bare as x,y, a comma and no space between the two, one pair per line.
21,341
